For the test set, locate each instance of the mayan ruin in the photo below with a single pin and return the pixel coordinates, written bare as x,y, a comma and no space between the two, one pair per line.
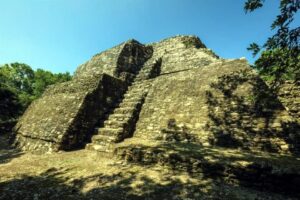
173,90
173,104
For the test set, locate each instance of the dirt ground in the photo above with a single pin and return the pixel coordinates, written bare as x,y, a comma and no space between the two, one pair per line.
84,174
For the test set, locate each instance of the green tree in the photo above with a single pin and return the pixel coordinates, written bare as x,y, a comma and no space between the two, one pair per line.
19,78
277,65
20,85
10,106
43,78
279,59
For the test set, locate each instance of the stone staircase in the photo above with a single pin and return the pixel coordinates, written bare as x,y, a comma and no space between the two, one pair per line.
121,123
151,69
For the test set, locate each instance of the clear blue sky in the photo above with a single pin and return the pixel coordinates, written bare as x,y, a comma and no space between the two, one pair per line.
58,35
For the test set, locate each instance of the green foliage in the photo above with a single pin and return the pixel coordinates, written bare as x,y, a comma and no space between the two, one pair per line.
285,36
252,5
278,65
18,78
44,78
20,85
280,53
254,48
10,106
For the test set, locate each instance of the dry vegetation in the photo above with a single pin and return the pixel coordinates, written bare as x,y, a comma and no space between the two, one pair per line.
86,174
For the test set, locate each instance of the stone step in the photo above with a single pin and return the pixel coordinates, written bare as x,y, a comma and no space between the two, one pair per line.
135,96
115,124
100,148
124,110
131,97
136,91
102,139
119,116
137,86
110,131
131,104
143,74
102,142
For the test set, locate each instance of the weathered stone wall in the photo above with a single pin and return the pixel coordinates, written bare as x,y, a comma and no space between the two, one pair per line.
64,117
194,96
223,104
289,95
104,62
127,57
181,53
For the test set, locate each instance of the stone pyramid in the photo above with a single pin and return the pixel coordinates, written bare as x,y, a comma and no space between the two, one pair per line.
172,91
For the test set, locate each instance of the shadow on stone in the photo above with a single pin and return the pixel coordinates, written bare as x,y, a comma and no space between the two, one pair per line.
262,172
175,133
245,114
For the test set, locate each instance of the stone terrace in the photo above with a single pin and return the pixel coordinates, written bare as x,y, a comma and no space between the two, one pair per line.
194,97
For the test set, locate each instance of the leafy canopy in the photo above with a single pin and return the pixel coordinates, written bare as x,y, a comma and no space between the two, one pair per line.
279,59
20,85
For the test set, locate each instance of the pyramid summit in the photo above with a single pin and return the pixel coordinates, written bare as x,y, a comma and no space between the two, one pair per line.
143,95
